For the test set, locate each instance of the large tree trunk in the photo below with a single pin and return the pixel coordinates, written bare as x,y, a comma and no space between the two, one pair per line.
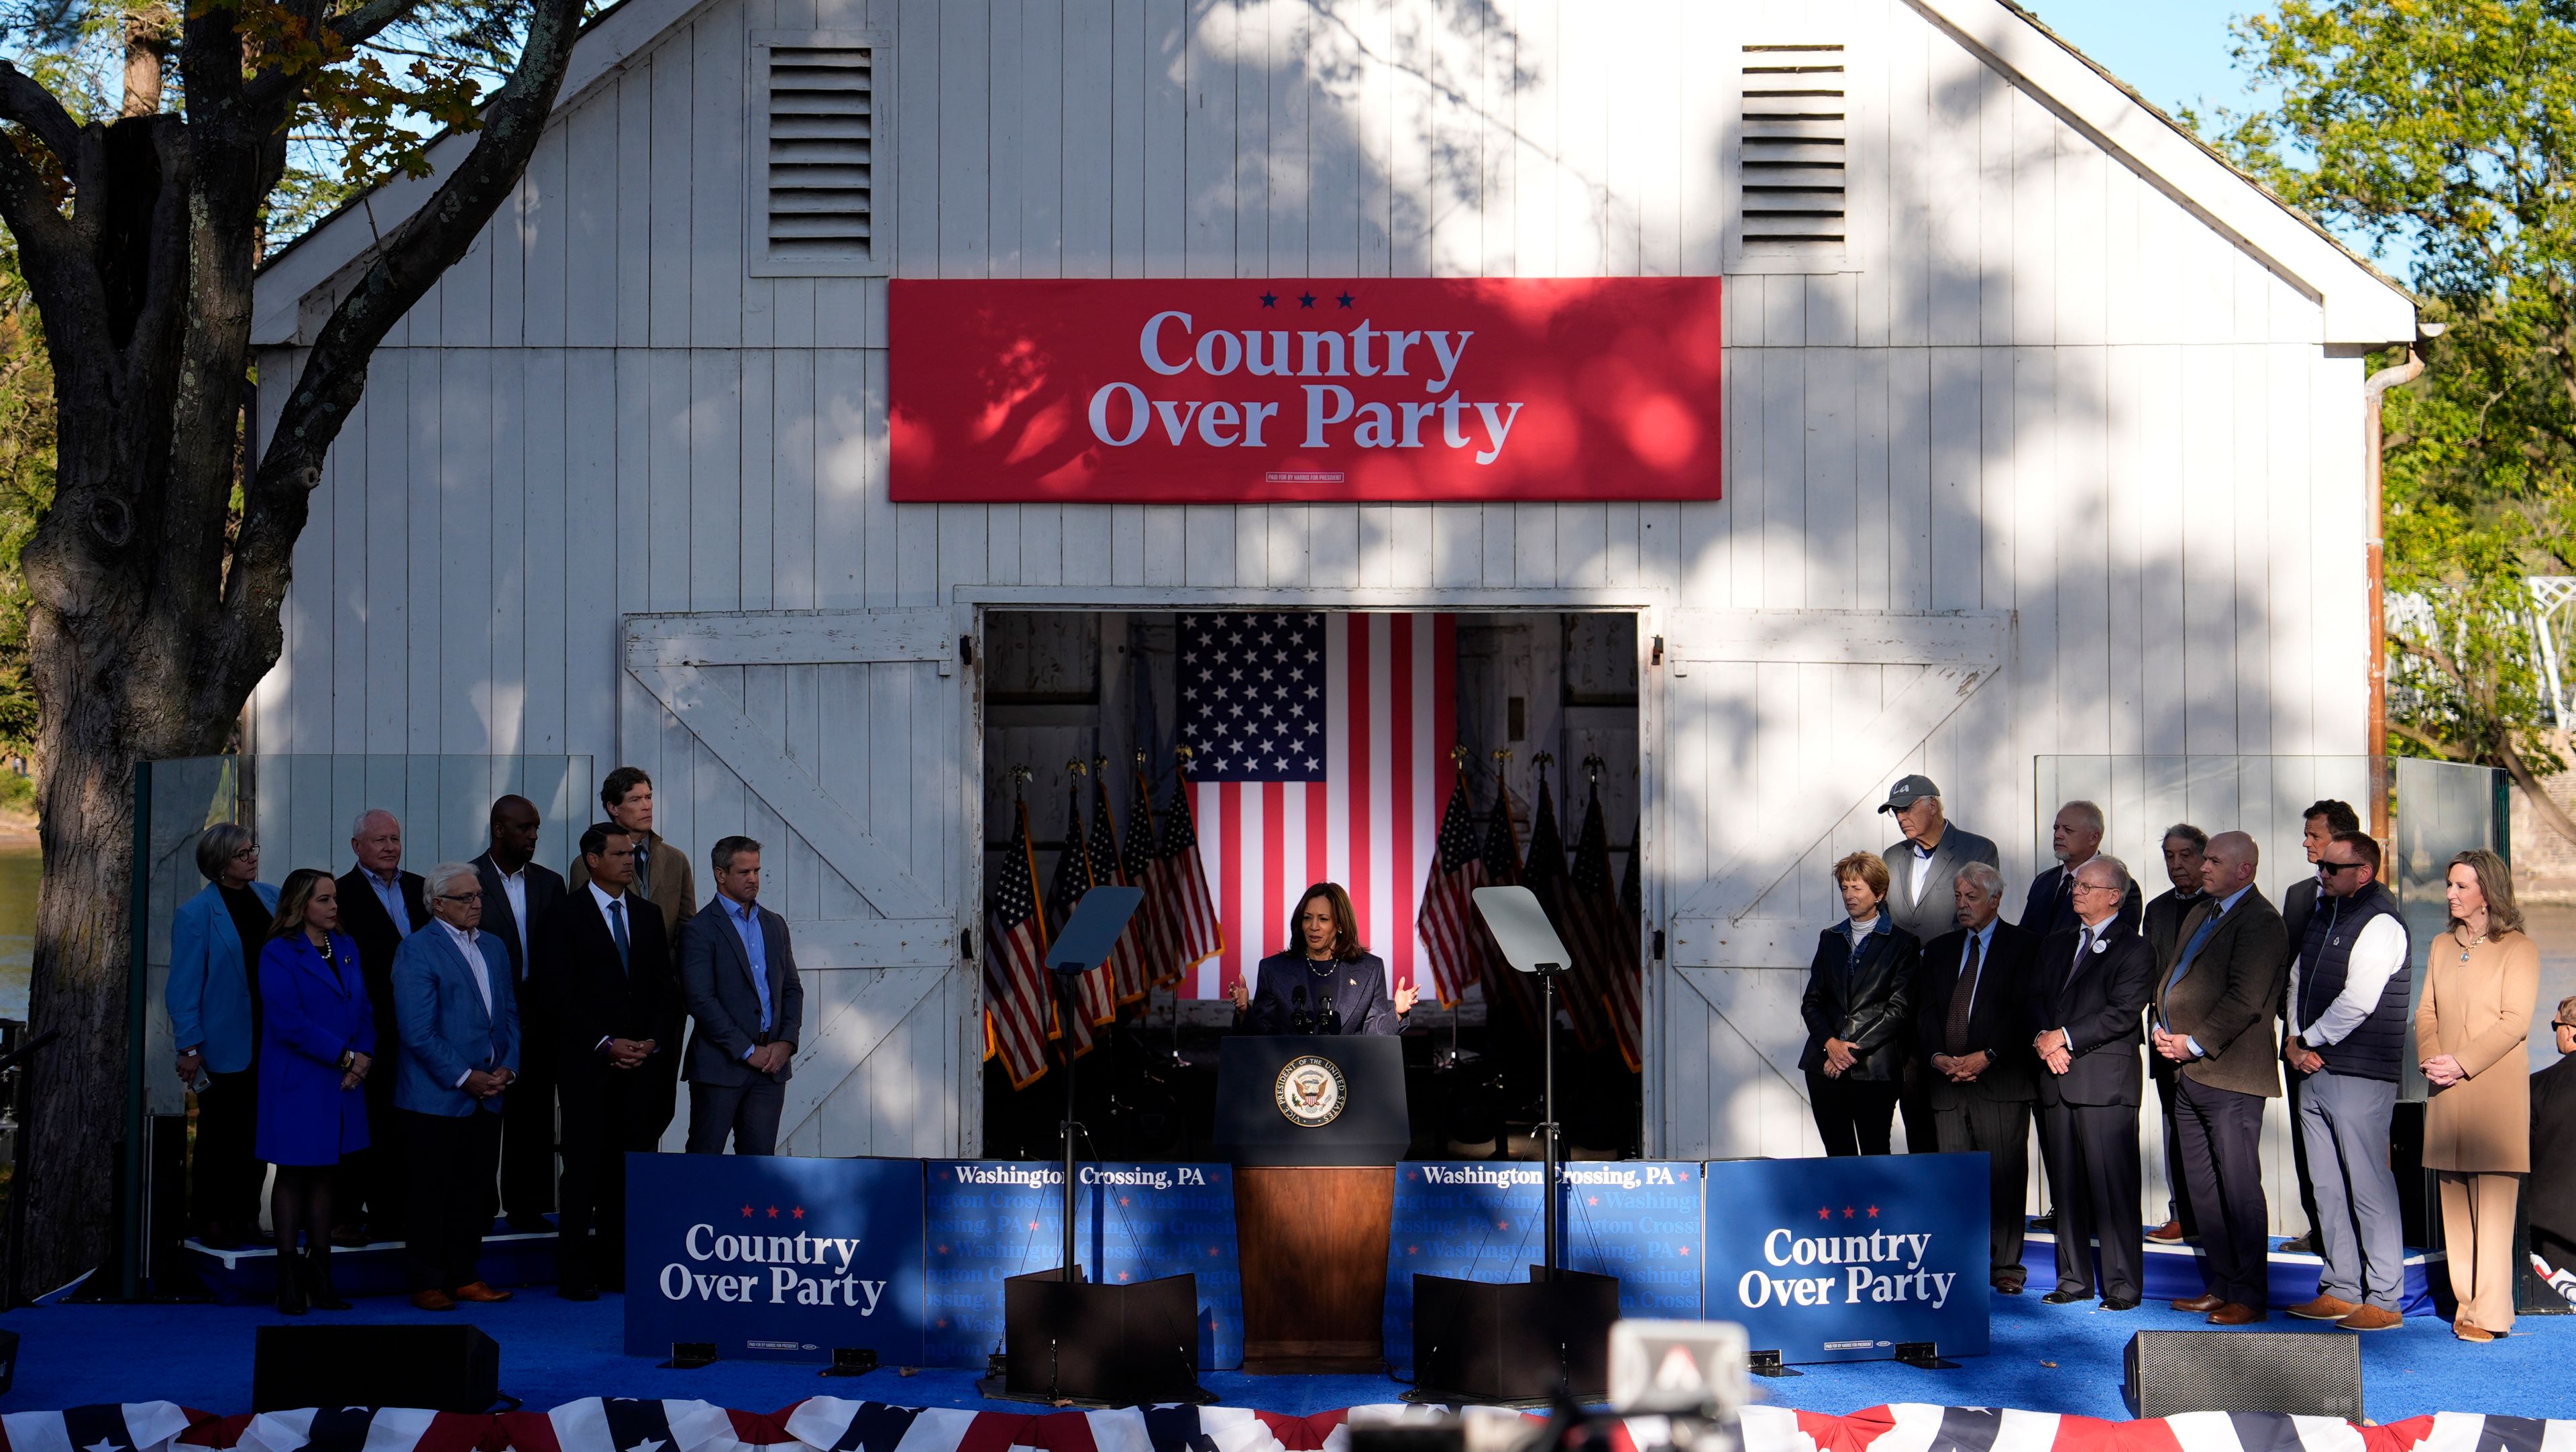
150,618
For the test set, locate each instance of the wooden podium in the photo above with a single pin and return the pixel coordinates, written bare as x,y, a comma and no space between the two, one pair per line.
1314,1201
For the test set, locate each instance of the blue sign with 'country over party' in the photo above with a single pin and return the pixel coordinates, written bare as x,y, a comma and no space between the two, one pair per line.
989,1220
1480,1221
1846,1259
779,1258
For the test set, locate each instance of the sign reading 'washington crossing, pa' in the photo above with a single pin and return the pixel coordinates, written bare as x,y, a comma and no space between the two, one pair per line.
779,1259
1478,1220
1160,390
1847,1259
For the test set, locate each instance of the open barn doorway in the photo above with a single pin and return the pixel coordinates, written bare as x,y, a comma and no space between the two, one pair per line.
1318,746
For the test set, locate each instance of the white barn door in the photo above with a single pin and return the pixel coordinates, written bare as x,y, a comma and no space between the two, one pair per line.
1781,731
844,728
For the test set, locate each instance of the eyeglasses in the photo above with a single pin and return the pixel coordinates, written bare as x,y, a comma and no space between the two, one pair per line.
2330,868
247,854
2083,886
460,897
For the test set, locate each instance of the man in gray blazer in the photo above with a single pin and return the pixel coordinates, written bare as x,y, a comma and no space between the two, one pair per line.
738,981
1920,898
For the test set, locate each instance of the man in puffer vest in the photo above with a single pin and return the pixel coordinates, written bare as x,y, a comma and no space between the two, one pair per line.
2346,1044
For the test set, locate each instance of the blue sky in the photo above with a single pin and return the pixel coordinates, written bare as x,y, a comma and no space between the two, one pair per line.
2174,52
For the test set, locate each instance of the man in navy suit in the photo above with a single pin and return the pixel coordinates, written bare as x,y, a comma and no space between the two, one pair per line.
2088,994
613,1004
738,980
518,891
459,1027
2075,838
380,906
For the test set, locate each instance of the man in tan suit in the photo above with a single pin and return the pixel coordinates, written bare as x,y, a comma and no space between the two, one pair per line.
662,875
2210,1013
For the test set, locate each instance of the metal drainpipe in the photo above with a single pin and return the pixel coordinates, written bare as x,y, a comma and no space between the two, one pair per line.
2374,552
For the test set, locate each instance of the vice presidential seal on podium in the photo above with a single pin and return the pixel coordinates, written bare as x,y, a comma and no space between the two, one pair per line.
1310,1108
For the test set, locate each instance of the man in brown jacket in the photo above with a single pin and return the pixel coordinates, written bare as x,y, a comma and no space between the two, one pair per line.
2210,1015
662,873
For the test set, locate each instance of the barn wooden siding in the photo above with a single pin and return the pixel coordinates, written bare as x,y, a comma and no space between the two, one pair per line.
2040,390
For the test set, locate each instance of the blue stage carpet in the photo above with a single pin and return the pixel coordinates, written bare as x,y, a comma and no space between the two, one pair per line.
2045,1358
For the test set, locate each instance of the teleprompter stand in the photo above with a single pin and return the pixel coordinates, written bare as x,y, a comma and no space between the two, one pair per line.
1071,1340
1480,1341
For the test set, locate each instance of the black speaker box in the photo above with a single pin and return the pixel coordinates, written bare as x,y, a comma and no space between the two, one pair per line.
451,1368
2305,1373
1086,1341
1514,1341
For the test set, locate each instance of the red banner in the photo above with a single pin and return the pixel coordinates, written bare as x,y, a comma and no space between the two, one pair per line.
1165,390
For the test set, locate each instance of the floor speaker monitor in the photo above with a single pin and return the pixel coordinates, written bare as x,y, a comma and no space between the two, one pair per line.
450,1368
2305,1373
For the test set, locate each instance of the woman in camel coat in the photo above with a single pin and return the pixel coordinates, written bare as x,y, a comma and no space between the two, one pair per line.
2481,979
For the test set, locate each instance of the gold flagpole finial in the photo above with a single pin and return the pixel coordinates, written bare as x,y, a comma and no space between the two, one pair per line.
1592,766
1076,767
1543,760
1020,777
1140,758
1458,755
1181,757
1100,767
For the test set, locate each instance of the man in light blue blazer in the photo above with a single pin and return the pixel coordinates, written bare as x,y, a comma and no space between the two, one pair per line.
458,1019
738,979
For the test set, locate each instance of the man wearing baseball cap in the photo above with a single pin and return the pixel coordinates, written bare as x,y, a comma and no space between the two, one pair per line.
1920,871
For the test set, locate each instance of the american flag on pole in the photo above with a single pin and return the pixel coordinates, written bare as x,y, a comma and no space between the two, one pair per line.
1095,1000
1141,858
1447,924
1544,875
1015,976
1189,912
1127,955
1602,933
1322,754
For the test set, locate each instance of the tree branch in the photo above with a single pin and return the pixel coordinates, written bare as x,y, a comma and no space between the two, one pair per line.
406,266
2542,805
59,271
29,104
280,84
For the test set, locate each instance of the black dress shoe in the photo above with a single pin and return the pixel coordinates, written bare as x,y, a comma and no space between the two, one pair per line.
2007,1287
2119,1303
2045,1220
2066,1298
578,1292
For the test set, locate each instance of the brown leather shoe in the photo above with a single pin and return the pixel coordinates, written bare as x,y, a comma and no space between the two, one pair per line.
2467,1332
478,1291
2371,1318
2235,1314
2203,1302
2169,1233
432,1301
2324,1308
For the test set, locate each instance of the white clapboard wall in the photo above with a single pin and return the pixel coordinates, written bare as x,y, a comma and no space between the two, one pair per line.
2060,453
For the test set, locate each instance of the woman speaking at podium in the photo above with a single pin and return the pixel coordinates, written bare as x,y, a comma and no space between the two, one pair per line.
1325,983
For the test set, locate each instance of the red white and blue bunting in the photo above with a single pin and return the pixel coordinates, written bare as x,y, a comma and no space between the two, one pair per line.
833,1424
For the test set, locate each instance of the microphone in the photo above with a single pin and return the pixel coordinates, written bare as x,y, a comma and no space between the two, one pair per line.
1299,1020
1328,1014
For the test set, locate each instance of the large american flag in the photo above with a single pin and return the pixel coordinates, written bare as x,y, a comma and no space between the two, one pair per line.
1321,753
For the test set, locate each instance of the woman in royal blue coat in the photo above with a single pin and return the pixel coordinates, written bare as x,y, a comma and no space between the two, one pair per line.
316,1045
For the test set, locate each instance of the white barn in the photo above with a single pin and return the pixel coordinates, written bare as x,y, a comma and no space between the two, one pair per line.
2051,446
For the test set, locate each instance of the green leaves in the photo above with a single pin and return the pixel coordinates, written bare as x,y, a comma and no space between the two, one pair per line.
2447,129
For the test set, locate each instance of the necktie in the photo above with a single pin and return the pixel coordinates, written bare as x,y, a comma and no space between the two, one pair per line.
1954,1034
617,928
2191,949
642,863
2083,945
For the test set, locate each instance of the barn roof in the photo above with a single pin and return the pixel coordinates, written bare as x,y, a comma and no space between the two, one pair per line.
2362,306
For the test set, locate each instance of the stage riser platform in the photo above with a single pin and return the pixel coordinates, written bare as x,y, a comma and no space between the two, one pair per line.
241,1277
2173,1274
